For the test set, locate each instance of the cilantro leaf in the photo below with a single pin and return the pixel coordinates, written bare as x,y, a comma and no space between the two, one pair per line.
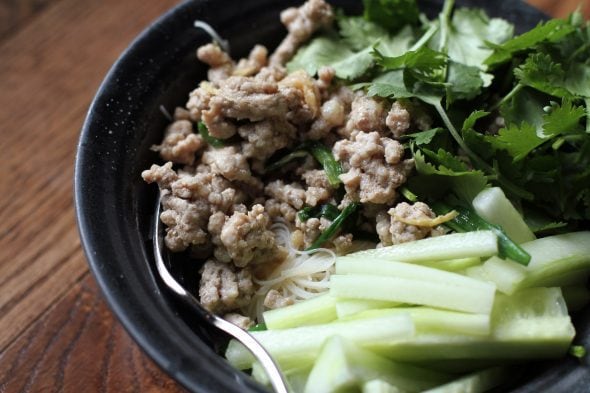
517,140
577,79
434,180
424,137
391,14
331,51
563,119
550,31
542,73
470,121
468,33
463,82
423,64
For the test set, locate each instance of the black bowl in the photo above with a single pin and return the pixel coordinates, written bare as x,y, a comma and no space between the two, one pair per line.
114,206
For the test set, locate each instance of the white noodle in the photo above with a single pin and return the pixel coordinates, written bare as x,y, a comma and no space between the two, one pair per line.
224,44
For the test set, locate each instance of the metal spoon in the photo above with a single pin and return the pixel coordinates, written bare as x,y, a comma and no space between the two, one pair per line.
272,370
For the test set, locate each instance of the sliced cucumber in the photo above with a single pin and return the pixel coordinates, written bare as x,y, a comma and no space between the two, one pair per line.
478,382
476,298
478,244
532,323
560,260
434,320
349,307
342,365
379,386
298,347
492,205
453,265
317,310
377,267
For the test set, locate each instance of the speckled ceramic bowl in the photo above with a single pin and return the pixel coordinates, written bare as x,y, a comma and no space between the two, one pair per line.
114,206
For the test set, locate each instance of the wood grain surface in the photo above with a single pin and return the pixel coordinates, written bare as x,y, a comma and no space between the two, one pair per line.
56,333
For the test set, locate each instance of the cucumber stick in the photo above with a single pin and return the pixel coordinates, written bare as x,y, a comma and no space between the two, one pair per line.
348,307
434,320
317,310
453,265
558,260
492,205
478,244
533,323
379,386
478,382
343,365
298,347
362,266
476,299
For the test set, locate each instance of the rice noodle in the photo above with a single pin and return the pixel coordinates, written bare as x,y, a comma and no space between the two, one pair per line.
302,275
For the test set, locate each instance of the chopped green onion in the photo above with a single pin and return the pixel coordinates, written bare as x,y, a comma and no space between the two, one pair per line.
327,210
469,221
577,351
258,327
325,157
321,153
286,159
334,227
204,132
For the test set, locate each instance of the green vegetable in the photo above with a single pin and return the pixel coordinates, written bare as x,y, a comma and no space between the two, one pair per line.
468,221
286,159
299,347
204,132
478,244
391,14
258,327
317,310
342,365
492,205
477,382
577,351
338,222
327,210
321,153
473,299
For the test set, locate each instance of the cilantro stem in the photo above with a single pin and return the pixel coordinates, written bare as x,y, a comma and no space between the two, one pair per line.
587,102
444,18
425,37
507,97
507,185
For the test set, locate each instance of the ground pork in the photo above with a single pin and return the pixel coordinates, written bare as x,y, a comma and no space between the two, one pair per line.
374,167
274,299
367,114
280,210
332,115
180,143
184,222
257,59
223,288
318,187
311,229
247,237
220,63
264,138
392,229
239,320
232,164
301,23
292,193
398,120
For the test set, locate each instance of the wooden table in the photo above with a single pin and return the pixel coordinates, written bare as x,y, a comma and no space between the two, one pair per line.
56,333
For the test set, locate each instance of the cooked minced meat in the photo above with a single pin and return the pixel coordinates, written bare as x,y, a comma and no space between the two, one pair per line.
374,167
224,288
223,203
